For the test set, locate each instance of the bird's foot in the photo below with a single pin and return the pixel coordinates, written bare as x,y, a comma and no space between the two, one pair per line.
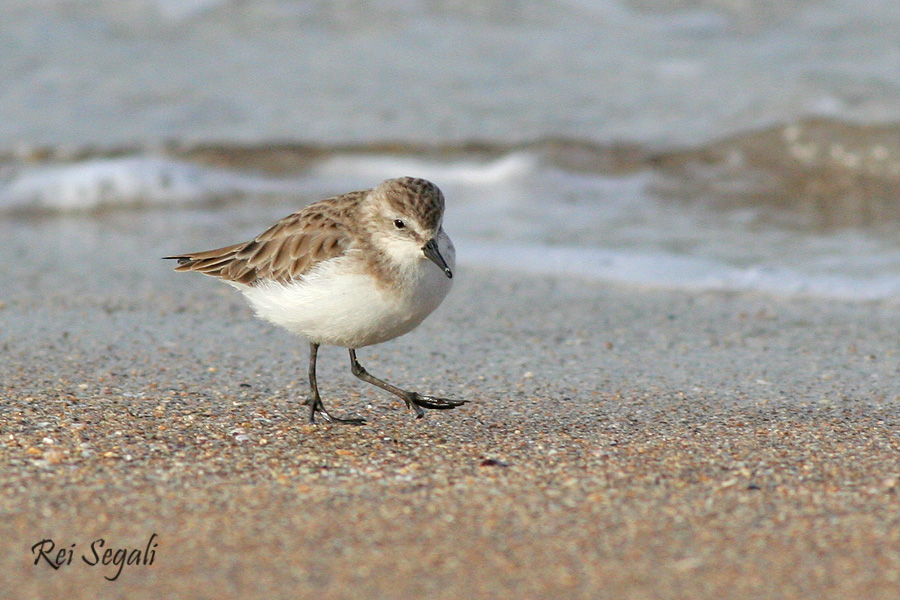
316,406
417,402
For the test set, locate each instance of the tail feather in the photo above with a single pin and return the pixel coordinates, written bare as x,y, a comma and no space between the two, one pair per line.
209,262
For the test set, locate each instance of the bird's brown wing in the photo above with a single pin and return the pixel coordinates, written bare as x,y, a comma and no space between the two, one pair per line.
285,251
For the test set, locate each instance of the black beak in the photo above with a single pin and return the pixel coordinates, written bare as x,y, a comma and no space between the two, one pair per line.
434,255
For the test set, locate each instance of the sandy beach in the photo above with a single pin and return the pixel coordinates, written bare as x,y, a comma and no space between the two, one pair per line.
619,443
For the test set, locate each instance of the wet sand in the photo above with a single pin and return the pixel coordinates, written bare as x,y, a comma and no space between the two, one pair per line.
618,442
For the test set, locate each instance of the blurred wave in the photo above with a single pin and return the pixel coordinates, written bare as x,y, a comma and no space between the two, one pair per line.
808,208
812,174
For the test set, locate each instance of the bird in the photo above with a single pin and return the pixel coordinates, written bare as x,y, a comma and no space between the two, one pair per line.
352,271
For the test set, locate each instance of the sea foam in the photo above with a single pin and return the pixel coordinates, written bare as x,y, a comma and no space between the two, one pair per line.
123,183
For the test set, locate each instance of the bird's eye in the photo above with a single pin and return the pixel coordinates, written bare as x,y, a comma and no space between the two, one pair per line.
399,224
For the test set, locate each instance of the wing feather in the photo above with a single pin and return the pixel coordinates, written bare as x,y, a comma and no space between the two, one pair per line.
288,249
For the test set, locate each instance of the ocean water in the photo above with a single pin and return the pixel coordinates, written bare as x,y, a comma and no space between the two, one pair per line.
680,144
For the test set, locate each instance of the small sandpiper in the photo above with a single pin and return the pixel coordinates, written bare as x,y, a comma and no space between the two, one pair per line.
352,270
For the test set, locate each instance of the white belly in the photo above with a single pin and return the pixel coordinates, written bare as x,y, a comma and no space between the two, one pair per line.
335,306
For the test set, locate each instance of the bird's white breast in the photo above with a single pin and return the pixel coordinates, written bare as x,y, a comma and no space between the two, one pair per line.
340,304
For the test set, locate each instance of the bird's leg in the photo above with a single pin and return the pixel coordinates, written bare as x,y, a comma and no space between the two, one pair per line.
413,400
315,401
